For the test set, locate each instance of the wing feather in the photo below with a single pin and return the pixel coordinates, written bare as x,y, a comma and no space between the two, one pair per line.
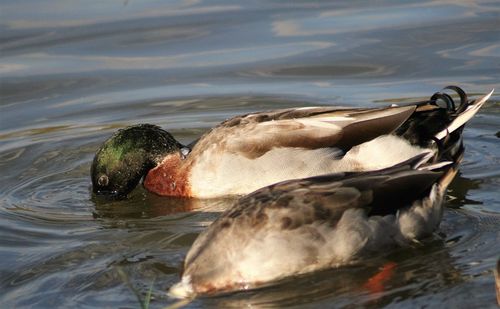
253,135
297,202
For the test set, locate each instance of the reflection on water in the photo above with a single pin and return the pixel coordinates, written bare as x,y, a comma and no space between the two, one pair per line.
352,286
458,191
72,74
142,204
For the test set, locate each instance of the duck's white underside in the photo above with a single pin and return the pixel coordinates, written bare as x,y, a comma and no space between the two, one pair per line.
236,175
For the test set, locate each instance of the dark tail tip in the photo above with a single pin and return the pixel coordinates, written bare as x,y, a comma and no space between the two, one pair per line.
448,100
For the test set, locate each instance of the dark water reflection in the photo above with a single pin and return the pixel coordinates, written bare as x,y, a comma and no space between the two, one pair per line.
72,73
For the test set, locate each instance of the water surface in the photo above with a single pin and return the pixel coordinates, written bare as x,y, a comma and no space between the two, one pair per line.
74,72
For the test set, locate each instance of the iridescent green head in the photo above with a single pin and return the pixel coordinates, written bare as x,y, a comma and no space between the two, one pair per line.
127,156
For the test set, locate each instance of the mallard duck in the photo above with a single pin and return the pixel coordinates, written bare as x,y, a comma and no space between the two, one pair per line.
300,226
251,151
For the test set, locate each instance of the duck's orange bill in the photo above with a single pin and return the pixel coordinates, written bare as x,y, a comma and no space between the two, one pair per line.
376,283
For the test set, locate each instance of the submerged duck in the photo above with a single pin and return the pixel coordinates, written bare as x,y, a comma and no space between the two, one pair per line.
300,226
249,152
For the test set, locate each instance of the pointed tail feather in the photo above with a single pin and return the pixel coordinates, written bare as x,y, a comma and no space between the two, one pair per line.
449,140
433,123
469,111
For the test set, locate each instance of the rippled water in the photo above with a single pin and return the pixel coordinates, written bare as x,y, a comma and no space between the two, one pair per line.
74,72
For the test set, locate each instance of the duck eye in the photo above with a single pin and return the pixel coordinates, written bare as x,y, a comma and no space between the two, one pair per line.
103,181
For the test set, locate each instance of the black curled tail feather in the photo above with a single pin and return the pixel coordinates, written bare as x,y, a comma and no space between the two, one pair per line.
433,118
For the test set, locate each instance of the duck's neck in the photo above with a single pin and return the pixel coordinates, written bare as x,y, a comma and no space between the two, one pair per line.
169,178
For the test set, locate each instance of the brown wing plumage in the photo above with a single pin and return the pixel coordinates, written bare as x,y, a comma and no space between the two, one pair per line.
298,213
327,197
253,135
